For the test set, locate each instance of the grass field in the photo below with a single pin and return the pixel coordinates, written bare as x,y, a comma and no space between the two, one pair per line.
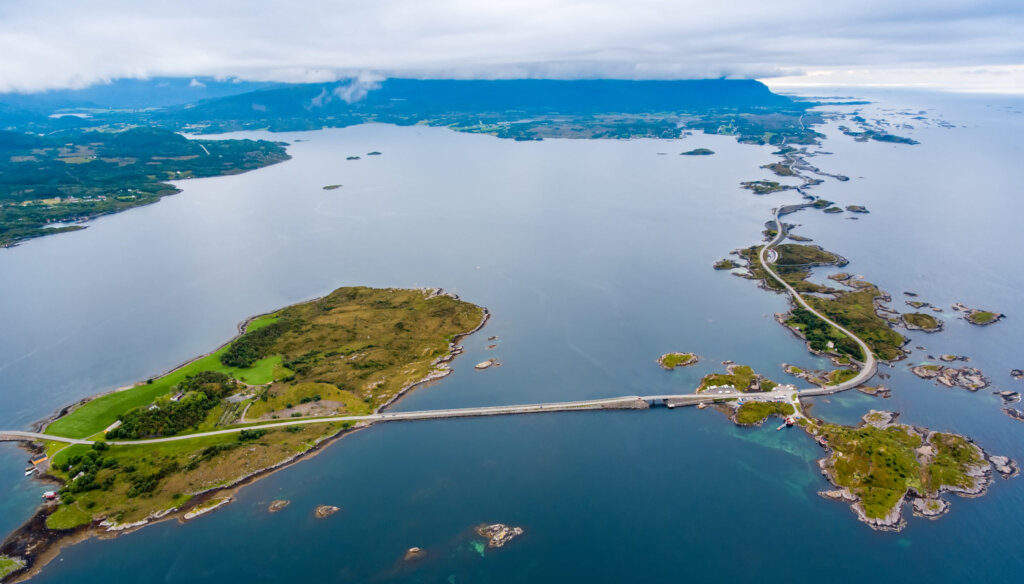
199,464
96,415
8,565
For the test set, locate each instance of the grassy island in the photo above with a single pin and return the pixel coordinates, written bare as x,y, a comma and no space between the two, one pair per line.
921,321
880,464
698,152
779,168
49,184
755,412
725,264
763,187
853,309
672,360
857,209
982,317
348,353
793,264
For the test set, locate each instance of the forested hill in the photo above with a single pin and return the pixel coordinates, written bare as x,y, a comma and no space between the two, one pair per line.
431,97
460,103
49,183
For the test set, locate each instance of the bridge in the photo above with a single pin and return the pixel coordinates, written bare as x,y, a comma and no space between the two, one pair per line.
786,393
633,402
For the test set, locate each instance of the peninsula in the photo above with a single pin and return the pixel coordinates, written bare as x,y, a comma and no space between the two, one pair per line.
351,352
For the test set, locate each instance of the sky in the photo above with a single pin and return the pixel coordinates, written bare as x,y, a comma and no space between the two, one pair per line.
973,45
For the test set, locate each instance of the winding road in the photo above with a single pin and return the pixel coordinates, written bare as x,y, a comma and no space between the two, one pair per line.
870,366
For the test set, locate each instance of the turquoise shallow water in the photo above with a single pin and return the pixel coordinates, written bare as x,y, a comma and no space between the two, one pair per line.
594,258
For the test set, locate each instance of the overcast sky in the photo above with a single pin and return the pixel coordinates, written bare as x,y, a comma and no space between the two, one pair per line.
973,45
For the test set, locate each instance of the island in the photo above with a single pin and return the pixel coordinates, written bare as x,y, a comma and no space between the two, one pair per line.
52,184
780,168
331,187
918,321
764,187
157,453
698,152
725,264
969,378
670,361
982,317
880,465
857,209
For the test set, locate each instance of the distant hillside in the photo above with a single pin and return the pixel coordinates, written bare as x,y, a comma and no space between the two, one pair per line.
424,98
130,94
520,109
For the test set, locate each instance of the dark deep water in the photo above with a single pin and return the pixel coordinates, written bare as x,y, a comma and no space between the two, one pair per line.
594,258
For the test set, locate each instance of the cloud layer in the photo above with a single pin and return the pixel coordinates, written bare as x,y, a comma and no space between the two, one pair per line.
70,43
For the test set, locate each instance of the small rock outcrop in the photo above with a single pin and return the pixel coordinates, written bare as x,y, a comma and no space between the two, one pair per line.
323,511
486,364
930,508
498,534
1004,466
1014,413
414,553
277,504
1008,397
969,378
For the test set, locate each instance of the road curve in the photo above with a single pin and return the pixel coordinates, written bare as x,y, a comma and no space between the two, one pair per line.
870,366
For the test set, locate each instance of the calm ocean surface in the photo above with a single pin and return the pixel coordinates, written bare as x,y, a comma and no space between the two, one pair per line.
594,258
